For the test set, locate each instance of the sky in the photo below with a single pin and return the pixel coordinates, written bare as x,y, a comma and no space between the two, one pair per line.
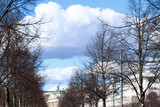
71,25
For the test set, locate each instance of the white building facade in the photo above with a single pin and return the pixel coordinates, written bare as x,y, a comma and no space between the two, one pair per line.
129,94
52,97
114,99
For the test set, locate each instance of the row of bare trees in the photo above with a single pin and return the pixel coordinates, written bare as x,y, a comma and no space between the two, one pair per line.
93,82
139,40
20,85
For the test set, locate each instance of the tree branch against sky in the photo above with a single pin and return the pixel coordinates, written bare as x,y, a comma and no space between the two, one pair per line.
14,31
17,37
155,4
139,40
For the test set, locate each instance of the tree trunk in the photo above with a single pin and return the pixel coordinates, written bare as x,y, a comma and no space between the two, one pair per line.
142,94
83,105
104,102
96,104
23,102
7,88
142,101
20,102
7,100
14,101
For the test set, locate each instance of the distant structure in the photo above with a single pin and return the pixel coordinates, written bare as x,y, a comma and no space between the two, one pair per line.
129,94
52,97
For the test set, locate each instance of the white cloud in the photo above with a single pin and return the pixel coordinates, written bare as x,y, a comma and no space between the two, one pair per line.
61,75
69,31
71,28
55,76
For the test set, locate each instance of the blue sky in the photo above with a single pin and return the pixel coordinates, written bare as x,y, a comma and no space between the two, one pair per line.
117,5
73,24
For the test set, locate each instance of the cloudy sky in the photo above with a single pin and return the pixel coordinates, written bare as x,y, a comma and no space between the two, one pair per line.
71,26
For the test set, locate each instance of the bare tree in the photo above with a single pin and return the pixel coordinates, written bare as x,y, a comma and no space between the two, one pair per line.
14,31
140,41
21,6
16,35
99,64
155,3
74,95
24,84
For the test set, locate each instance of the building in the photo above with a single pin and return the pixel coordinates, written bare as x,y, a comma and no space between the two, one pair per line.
129,94
52,97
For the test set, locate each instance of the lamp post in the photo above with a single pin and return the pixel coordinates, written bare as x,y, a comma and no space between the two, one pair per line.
121,82
113,94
